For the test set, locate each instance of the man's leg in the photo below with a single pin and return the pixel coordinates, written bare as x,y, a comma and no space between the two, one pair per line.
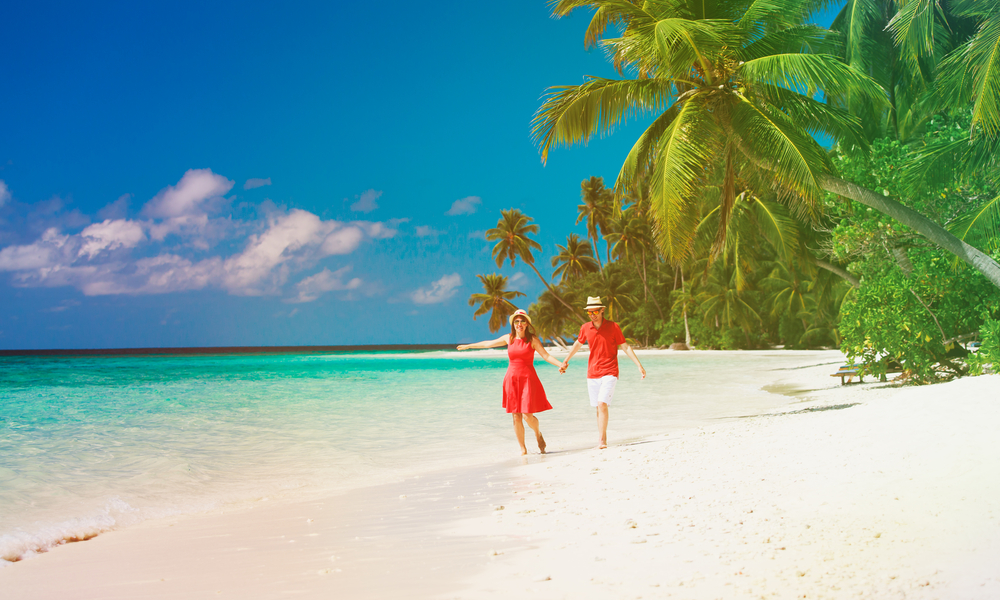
602,424
601,391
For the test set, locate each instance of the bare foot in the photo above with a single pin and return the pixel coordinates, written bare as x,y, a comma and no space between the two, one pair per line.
602,445
524,451
541,444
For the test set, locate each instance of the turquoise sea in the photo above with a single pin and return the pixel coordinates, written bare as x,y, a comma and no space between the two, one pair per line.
93,443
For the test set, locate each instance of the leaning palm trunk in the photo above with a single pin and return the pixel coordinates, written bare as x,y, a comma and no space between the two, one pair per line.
916,221
555,295
839,271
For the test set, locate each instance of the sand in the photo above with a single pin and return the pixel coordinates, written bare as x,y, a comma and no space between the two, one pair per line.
853,491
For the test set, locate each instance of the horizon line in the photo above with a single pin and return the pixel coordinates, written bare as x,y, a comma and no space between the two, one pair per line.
222,350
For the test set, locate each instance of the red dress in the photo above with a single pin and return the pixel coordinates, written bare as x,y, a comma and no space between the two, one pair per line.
522,390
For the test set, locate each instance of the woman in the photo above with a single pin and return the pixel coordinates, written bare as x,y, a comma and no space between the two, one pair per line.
523,395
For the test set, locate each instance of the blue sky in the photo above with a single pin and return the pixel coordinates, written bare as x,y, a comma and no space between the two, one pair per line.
305,173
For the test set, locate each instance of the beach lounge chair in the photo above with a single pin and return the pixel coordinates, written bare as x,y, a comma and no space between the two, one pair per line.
849,371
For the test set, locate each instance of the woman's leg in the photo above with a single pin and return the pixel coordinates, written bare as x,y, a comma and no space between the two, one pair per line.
533,423
519,431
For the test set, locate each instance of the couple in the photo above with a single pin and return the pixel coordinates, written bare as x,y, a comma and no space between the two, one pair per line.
523,395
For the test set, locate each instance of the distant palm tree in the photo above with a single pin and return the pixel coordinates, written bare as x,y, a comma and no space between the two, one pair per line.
598,204
629,236
552,320
495,300
512,242
721,301
574,260
614,291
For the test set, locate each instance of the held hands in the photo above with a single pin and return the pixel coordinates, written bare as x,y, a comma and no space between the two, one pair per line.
562,366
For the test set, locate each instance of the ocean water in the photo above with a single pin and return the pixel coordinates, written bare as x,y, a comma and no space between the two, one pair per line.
90,444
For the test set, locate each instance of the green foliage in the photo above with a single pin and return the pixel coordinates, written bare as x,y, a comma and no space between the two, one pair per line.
989,352
915,320
914,299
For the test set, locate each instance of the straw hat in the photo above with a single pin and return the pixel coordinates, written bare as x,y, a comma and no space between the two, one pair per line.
594,302
519,313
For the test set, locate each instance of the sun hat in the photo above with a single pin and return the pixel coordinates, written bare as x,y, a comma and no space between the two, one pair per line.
519,313
594,302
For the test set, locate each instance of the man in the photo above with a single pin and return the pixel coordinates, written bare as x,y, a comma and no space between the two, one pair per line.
604,338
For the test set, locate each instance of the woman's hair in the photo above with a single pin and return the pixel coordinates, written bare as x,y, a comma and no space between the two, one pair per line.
529,331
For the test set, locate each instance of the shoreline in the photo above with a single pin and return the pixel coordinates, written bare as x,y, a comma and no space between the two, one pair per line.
442,534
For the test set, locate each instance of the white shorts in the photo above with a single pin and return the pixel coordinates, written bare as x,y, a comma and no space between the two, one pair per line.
602,390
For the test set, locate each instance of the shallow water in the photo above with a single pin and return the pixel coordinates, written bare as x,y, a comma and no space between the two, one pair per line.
89,444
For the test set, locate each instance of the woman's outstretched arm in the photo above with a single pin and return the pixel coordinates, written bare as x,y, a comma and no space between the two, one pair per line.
500,341
540,349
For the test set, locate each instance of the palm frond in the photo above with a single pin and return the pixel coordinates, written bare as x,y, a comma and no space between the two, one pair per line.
769,138
807,73
572,114
981,227
912,29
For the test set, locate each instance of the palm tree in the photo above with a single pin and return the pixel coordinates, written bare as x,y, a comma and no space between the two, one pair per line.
596,210
614,291
729,83
495,300
512,242
898,43
720,300
551,319
574,260
629,236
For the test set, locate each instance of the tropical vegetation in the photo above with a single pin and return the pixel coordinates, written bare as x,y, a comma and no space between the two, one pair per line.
794,185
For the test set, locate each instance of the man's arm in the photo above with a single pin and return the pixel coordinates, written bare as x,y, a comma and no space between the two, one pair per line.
576,347
631,354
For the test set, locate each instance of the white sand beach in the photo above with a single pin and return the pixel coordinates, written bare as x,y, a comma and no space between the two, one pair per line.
852,491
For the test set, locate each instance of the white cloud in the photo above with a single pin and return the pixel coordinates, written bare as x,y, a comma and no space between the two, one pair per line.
464,206
343,241
366,203
478,234
438,291
518,278
46,253
425,231
255,182
377,231
313,287
129,256
284,237
187,198
185,207
110,235
117,209
4,192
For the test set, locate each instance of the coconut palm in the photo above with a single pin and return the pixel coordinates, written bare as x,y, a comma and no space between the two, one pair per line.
512,242
595,210
722,302
574,260
629,236
899,44
731,84
614,291
551,319
495,300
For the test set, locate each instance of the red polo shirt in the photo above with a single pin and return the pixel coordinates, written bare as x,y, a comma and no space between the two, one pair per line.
603,344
